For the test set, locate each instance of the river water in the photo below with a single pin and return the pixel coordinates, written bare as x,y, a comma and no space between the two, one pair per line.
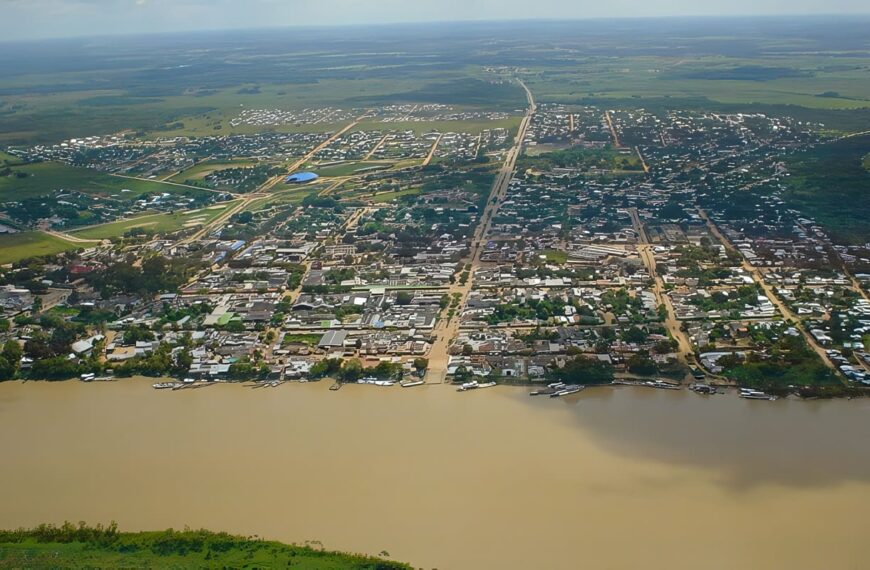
610,478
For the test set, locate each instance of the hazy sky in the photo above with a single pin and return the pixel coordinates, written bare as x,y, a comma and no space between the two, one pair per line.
24,19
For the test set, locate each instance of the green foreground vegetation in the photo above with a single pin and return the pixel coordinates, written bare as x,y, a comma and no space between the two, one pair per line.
82,546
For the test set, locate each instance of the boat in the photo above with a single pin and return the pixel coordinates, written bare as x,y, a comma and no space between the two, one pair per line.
164,385
703,389
87,377
664,385
556,385
468,386
412,383
567,391
487,385
750,394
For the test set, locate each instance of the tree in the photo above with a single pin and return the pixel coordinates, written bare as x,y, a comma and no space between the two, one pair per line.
635,335
12,352
7,369
642,364
585,370
421,364
351,371
138,333
665,346
462,374
404,298
326,367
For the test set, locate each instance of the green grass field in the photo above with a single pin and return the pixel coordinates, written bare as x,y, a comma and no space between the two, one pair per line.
15,247
158,223
87,548
203,169
45,177
8,159
351,168
390,196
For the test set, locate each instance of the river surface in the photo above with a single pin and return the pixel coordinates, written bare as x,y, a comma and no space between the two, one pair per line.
611,478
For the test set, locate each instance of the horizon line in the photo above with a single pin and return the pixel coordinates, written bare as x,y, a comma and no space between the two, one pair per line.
411,23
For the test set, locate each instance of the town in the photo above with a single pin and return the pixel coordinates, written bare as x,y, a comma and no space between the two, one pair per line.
555,245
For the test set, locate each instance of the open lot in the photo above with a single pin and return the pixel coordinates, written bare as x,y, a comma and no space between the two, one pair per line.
157,223
203,169
15,247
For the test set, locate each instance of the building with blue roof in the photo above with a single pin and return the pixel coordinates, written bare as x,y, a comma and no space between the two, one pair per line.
301,178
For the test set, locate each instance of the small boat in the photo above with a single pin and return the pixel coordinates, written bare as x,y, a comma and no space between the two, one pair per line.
412,383
164,385
487,385
749,394
87,377
468,386
556,385
567,391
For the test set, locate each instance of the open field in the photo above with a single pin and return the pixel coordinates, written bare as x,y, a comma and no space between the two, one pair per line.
157,223
15,247
203,169
8,159
45,177
351,168
390,196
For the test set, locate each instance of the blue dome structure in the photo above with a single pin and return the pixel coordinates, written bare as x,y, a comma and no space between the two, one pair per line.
301,178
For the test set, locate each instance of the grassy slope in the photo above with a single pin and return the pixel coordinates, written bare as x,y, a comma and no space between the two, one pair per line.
15,247
186,549
46,177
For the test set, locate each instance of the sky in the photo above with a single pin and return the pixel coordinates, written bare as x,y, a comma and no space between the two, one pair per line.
33,19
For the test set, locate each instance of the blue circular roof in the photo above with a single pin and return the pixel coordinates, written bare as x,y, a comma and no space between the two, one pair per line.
301,177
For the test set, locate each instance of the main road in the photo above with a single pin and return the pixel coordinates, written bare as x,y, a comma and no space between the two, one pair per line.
448,328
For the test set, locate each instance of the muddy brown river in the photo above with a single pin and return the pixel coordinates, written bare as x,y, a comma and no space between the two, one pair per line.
612,478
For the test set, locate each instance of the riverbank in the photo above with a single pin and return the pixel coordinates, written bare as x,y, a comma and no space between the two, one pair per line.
452,480
803,393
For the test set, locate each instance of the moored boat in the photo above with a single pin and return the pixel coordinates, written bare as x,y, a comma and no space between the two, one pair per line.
567,391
